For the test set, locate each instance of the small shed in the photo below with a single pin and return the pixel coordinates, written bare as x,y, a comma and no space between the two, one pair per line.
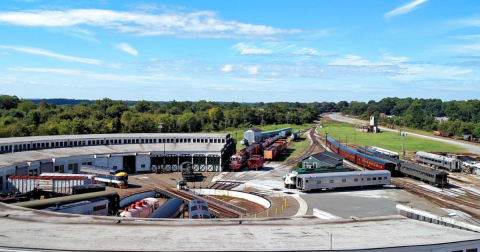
322,159
253,135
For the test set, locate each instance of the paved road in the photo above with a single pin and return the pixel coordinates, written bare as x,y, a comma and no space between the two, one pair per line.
471,147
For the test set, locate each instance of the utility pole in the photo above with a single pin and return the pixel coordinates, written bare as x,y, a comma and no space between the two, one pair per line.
404,134
326,136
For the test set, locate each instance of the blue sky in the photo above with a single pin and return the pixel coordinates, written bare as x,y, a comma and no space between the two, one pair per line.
257,51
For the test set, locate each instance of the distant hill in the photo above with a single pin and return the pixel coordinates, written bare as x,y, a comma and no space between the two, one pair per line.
61,101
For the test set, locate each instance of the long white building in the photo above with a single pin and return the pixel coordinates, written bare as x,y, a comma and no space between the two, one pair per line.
132,152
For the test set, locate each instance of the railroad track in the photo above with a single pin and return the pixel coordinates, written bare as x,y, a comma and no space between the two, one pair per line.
221,211
309,151
437,195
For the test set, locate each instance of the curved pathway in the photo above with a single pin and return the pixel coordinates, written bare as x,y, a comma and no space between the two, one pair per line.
471,147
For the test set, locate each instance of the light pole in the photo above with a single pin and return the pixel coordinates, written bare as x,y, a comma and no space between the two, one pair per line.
404,134
326,136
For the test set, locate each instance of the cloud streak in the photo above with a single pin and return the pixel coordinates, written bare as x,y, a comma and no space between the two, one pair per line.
405,8
127,48
42,52
194,24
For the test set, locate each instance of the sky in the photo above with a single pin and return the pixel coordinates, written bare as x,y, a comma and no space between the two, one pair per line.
242,51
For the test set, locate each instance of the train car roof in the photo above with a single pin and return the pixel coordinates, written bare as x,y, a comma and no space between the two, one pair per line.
7,140
167,208
431,155
345,174
424,168
40,204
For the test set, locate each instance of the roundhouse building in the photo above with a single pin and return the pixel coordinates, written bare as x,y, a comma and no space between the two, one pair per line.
138,152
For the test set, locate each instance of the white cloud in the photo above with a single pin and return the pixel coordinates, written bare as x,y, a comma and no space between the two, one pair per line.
108,77
227,68
251,49
42,52
127,48
194,24
405,8
307,51
355,60
4,53
253,69
396,59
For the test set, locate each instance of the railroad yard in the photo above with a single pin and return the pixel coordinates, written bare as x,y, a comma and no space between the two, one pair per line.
461,196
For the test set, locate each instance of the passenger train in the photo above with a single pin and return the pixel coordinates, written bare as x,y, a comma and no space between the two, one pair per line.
342,180
107,176
449,163
198,209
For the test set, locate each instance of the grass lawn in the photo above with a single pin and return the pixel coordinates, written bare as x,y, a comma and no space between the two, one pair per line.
389,140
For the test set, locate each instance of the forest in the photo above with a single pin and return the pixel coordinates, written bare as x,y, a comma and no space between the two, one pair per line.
21,117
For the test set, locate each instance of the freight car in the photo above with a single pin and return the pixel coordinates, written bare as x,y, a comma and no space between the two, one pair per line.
290,179
57,184
141,209
92,179
187,171
198,209
98,206
438,161
275,149
340,180
112,197
268,134
295,135
359,158
442,133
255,162
107,176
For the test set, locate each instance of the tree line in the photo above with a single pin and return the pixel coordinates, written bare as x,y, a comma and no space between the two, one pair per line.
463,116
20,117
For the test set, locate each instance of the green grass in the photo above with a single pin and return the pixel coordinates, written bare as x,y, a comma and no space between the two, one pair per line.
389,140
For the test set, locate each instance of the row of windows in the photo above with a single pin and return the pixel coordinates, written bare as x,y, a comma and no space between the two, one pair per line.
410,170
366,161
355,180
41,145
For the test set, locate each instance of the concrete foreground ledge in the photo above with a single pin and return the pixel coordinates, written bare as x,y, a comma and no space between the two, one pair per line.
28,228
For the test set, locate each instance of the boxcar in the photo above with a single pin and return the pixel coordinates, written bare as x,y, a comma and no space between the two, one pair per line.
338,180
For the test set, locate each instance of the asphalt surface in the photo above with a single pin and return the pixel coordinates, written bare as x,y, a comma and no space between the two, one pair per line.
471,147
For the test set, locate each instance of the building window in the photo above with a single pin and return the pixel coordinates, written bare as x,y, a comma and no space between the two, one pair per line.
143,165
70,167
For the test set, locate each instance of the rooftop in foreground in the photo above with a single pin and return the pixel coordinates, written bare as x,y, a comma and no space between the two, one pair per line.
37,229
